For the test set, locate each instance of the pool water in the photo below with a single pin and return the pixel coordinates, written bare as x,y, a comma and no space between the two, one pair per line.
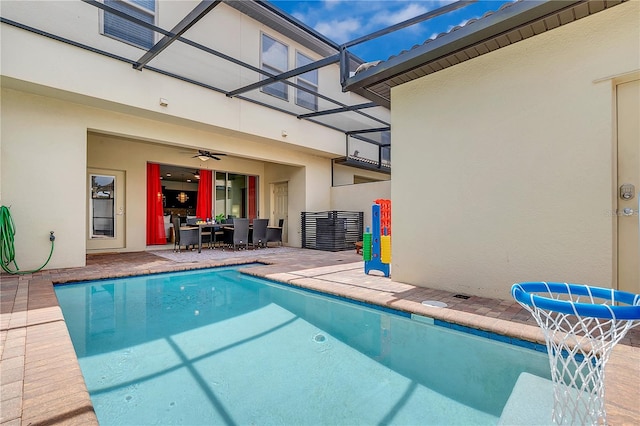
219,347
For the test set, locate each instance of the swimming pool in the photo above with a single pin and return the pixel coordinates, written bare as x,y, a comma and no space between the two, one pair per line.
219,347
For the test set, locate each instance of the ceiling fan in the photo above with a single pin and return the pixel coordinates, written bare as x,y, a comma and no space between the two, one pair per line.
206,155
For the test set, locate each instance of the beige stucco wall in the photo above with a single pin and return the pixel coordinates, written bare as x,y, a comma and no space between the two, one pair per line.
343,175
44,160
506,162
43,177
58,65
130,156
360,197
57,95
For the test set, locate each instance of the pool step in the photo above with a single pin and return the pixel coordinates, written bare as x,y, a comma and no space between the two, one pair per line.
530,402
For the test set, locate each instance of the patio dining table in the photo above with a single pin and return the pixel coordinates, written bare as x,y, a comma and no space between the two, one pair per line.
214,227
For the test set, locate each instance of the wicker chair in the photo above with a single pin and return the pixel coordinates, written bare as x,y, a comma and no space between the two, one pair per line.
259,237
274,233
184,236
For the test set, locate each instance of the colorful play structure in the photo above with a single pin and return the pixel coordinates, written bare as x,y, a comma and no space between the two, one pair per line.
376,244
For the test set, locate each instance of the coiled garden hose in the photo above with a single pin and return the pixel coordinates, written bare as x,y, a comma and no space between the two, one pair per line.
7,248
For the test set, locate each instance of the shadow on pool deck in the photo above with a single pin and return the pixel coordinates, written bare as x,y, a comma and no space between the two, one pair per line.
42,382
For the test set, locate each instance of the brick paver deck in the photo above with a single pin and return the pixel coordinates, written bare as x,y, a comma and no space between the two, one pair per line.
41,381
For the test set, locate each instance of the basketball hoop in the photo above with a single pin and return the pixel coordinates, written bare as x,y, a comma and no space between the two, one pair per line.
581,325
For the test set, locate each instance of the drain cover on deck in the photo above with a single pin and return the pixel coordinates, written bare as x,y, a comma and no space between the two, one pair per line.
434,303
461,296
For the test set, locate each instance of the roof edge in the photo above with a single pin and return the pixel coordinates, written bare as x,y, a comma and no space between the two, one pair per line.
506,19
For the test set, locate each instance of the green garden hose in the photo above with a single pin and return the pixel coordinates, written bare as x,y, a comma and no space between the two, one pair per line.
7,249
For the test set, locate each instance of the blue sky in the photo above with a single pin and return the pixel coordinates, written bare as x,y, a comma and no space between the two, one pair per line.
346,20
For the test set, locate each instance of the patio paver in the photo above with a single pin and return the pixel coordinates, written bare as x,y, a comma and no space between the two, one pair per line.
41,381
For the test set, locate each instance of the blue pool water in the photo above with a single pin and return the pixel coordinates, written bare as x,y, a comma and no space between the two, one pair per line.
219,347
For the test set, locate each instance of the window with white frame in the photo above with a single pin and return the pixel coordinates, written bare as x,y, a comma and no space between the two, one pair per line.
127,31
308,80
275,60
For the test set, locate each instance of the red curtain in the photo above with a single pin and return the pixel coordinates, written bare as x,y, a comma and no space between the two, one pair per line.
252,198
205,188
155,213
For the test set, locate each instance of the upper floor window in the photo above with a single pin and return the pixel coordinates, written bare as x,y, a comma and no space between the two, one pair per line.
275,60
308,80
127,31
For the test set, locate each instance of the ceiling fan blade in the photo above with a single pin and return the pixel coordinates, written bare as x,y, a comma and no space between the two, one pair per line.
208,154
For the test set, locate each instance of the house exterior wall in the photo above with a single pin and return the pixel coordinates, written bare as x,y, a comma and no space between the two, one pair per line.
343,175
505,163
47,145
360,198
231,32
65,109
130,156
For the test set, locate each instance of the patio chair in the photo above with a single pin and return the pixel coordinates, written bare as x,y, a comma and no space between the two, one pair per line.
207,236
218,236
167,226
259,237
240,233
274,233
183,236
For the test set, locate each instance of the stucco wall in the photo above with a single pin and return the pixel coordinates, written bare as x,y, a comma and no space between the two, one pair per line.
506,162
43,178
360,198
130,156
58,65
343,175
44,162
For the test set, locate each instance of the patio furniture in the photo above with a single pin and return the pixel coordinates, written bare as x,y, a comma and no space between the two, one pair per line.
274,233
197,221
218,235
358,245
184,236
240,233
167,226
211,233
259,237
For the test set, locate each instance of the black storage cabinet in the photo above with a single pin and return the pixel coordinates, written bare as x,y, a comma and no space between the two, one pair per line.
331,230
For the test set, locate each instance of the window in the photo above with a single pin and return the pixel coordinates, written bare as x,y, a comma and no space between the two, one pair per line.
127,31
275,60
308,80
386,150
101,206
236,195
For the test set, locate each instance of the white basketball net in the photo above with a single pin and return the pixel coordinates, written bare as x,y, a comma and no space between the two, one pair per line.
578,349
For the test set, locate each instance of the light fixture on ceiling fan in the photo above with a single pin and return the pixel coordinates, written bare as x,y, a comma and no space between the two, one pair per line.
206,155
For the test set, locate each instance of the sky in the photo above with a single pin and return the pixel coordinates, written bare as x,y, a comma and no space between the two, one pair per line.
346,20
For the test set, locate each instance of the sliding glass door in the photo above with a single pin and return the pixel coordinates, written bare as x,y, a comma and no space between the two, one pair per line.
236,195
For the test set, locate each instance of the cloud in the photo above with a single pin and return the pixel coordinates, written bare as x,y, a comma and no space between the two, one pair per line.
300,16
409,11
331,4
461,24
339,30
